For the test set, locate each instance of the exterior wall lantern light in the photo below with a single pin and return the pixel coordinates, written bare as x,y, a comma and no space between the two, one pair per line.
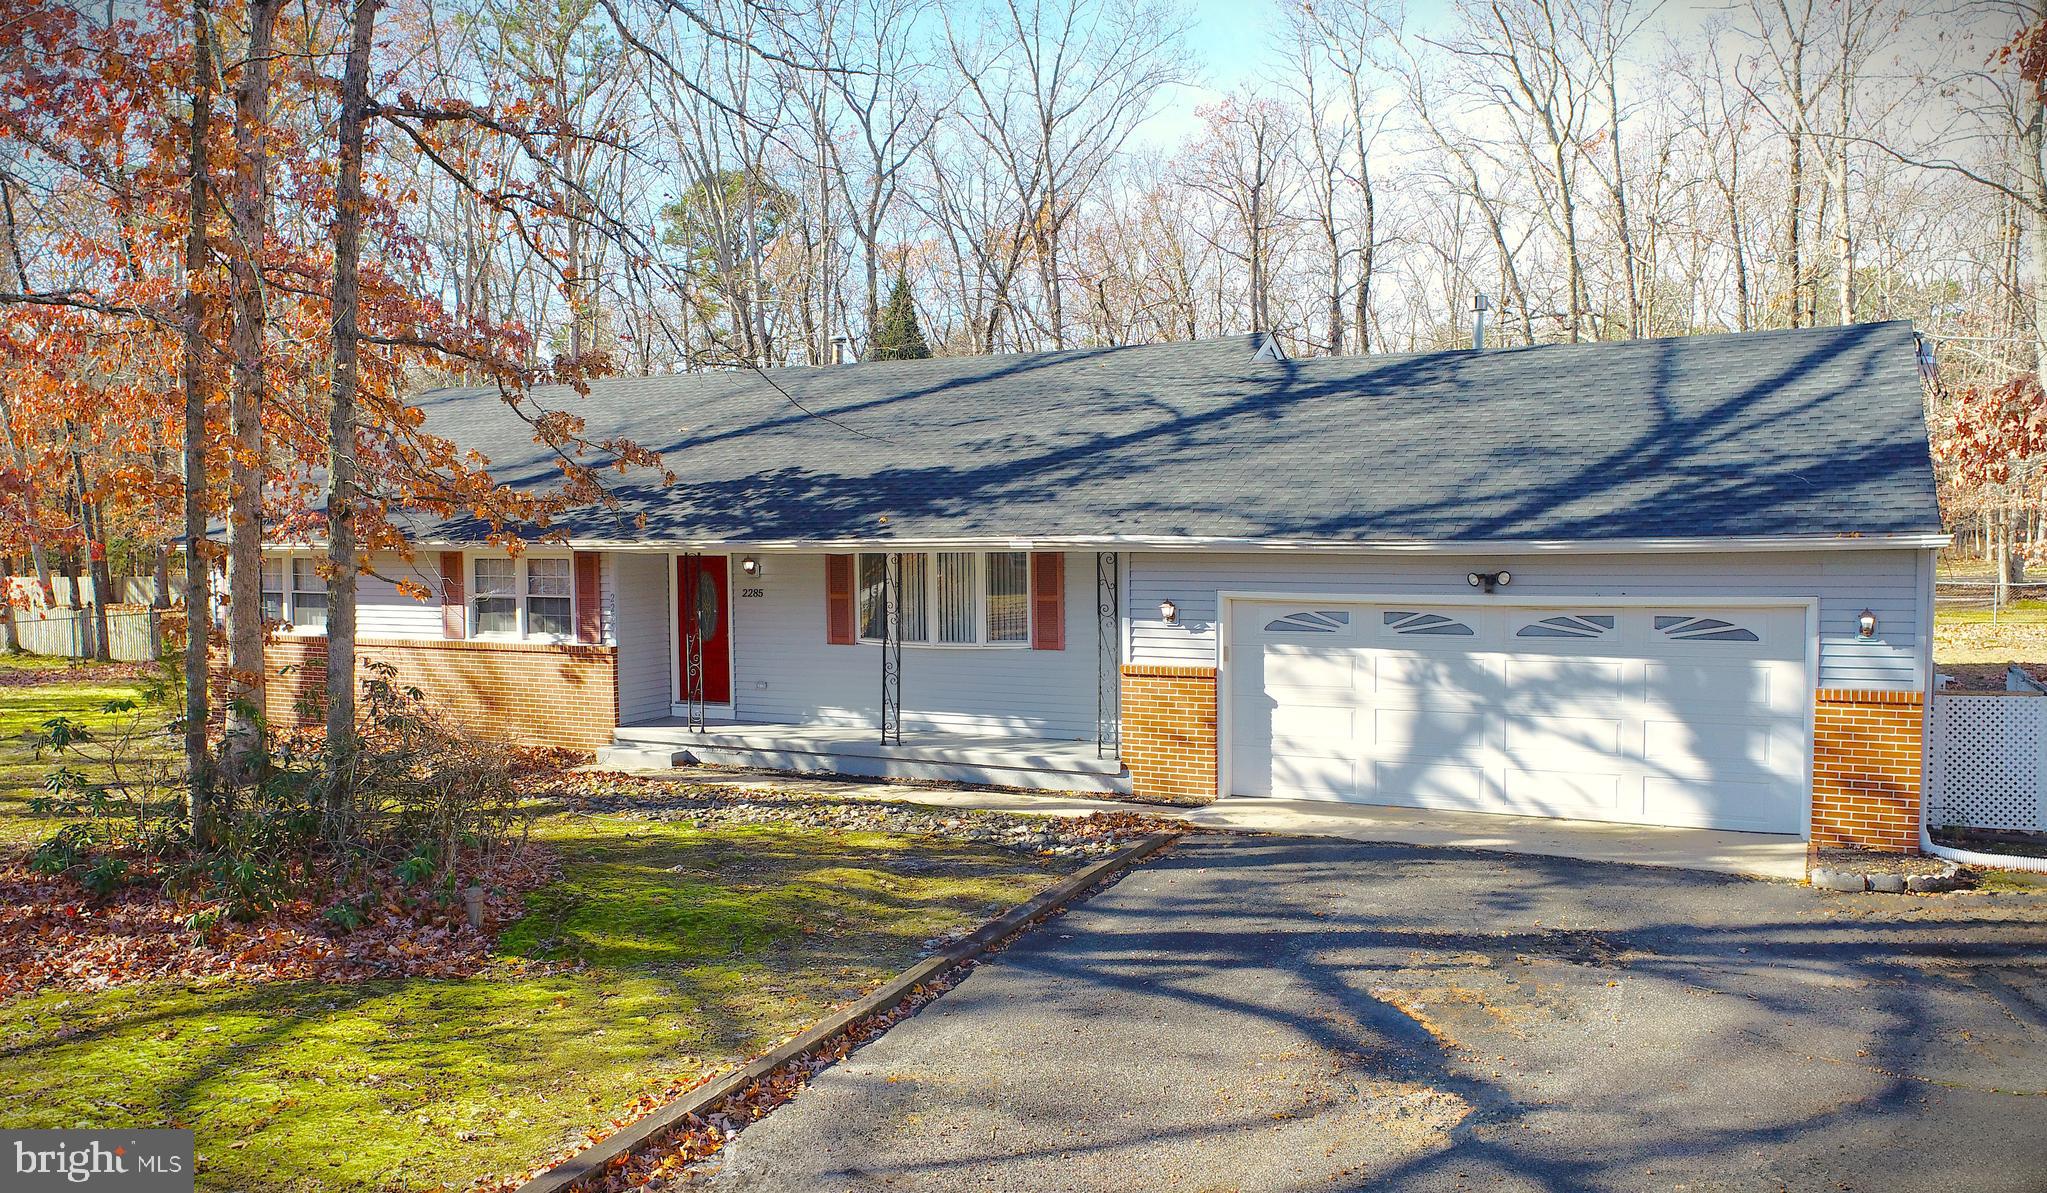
750,565
1489,580
1169,611
1865,624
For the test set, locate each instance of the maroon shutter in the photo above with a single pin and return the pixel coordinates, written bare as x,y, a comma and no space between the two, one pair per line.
589,597
838,600
1048,600
453,601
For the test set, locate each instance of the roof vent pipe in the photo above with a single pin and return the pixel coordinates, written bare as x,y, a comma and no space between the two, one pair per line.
1479,307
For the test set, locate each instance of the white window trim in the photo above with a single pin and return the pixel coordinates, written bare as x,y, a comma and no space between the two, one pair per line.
520,596
288,606
980,641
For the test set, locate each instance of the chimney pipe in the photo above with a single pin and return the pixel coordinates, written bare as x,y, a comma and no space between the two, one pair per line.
838,350
1479,307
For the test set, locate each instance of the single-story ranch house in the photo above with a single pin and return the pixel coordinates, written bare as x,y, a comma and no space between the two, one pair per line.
1664,582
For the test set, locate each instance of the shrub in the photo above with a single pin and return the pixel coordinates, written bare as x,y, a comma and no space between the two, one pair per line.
423,805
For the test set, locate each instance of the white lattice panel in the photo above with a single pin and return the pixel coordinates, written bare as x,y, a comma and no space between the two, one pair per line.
1988,762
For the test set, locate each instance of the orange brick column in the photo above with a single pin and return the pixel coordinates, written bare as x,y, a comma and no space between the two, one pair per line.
1868,757
530,693
1169,730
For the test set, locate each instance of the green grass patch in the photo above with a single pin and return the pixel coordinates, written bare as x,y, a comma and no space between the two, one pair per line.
23,711
2028,613
700,947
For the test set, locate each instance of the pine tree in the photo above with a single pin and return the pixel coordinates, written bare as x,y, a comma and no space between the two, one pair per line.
898,337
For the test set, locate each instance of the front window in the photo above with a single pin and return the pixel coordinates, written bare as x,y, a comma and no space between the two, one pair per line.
1009,596
873,609
547,597
497,596
950,598
308,595
959,604
273,587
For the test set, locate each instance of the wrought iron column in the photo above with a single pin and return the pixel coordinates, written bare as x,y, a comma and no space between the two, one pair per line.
693,639
891,651
1108,658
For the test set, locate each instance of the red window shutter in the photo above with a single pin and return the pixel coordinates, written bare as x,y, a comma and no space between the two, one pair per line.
838,600
589,597
1048,600
453,601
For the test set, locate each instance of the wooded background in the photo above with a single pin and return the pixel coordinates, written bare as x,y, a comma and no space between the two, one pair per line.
557,189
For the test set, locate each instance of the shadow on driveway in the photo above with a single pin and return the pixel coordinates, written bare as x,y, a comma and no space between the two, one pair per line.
1295,1014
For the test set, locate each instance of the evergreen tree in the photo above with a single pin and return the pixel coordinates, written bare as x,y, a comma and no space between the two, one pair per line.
898,337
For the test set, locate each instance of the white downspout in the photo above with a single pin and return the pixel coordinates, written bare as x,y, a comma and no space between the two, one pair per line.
1964,857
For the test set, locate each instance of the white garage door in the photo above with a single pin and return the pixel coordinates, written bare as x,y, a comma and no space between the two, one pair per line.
1681,716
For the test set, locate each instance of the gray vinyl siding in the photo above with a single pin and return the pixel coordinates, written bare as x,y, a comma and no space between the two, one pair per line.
784,671
636,593
1845,583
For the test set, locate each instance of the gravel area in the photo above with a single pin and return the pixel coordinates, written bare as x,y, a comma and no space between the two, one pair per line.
698,804
1871,862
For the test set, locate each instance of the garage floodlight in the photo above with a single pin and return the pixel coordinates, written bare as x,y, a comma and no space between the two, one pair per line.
1489,580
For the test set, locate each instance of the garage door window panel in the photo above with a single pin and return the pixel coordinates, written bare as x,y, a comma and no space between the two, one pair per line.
1703,629
1570,625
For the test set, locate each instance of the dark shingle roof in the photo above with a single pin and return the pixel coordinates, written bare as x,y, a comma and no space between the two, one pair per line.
1812,432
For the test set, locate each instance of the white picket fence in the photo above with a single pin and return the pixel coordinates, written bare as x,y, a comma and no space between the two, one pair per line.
1986,762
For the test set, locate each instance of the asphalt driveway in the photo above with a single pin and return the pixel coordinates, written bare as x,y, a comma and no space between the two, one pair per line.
1307,1014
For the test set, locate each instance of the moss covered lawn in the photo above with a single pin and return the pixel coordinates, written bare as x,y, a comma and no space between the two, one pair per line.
675,950
33,690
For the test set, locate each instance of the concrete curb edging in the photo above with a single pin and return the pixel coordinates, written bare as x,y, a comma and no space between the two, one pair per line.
592,1160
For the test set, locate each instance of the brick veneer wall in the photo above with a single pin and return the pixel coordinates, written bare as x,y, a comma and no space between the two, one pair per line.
1868,758
529,693
1169,730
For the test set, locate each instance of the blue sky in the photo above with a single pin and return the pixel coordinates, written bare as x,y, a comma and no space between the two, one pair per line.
1229,42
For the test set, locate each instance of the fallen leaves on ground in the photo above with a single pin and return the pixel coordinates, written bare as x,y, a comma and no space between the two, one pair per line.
79,673
701,803
701,1135
55,933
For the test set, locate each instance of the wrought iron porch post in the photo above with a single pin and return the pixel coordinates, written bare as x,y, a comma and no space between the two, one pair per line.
891,650
1108,658
693,639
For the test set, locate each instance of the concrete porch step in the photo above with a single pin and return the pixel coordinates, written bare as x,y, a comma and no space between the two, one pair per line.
997,762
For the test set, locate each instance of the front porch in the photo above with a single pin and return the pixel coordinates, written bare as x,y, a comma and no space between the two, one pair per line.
1041,764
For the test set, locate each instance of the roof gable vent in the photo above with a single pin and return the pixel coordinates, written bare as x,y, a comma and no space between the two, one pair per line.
1269,349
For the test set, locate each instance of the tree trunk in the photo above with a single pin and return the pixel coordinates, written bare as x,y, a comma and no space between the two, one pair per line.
95,553
38,557
1629,257
341,491
10,270
198,614
2033,141
246,468
1844,236
1368,252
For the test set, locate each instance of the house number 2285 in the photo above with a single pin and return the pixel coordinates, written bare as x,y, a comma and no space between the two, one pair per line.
753,592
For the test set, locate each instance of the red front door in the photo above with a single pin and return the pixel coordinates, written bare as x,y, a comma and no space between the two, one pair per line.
701,588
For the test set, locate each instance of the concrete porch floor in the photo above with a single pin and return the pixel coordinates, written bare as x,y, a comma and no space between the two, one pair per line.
1754,855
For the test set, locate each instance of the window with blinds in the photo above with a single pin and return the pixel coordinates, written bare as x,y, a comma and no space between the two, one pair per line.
949,598
1009,596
